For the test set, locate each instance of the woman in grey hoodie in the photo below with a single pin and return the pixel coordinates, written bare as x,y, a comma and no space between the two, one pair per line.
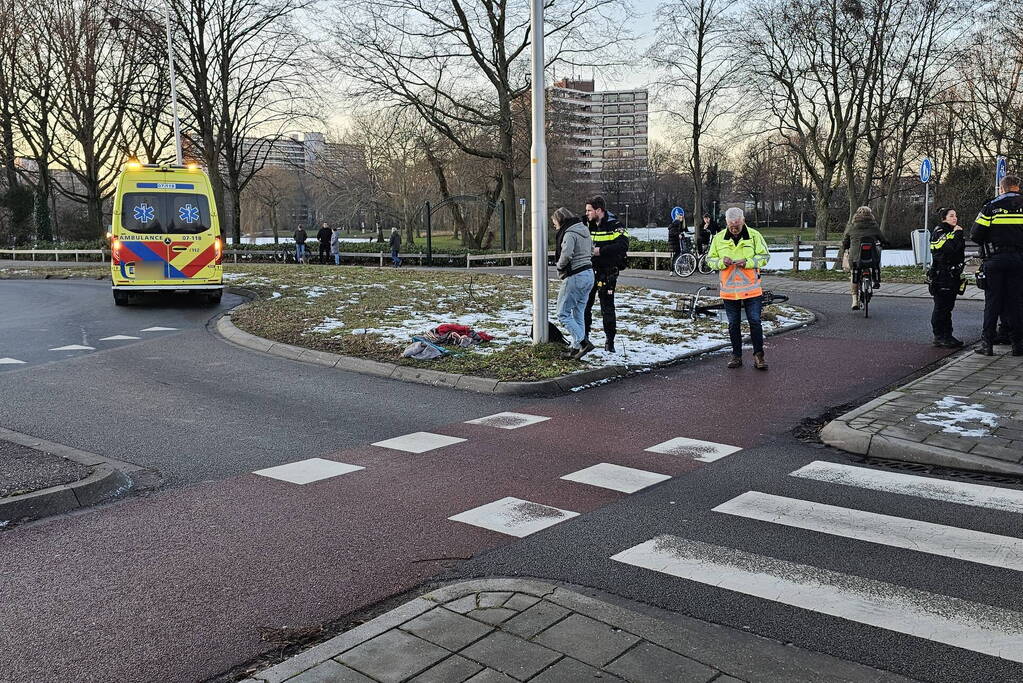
573,253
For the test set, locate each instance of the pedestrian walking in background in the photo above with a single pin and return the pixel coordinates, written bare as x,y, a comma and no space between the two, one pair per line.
300,238
948,257
573,257
335,245
863,226
610,254
998,229
676,231
323,238
739,252
395,245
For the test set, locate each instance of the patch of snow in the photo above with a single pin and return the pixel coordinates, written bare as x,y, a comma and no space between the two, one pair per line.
952,414
329,325
235,276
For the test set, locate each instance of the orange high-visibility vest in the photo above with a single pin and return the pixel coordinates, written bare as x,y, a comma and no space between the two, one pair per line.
740,283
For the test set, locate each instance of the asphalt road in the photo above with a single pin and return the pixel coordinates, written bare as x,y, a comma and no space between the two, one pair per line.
206,573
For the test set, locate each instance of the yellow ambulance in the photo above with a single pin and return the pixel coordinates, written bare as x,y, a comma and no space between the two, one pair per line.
165,233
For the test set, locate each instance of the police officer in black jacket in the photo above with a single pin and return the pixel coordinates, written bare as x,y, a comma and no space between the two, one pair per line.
610,251
948,256
999,231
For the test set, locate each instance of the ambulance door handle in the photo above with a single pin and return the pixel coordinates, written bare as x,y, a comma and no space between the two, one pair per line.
179,249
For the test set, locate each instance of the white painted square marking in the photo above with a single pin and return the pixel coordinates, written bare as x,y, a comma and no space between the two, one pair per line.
308,471
118,337
508,420
418,442
74,347
704,451
616,477
11,361
159,329
514,516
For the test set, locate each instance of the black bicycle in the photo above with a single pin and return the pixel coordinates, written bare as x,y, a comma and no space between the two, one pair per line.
696,308
690,260
869,264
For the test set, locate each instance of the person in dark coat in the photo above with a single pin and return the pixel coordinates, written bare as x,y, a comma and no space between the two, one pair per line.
675,232
998,229
948,257
395,244
863,226
300,238
323,236
610,251
705,233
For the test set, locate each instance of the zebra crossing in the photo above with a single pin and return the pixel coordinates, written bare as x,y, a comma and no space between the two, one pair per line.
944,619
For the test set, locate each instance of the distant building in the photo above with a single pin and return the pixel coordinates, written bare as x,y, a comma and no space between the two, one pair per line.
605,134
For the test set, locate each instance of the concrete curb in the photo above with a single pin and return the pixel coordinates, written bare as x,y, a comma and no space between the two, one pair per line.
108,480
841,435
737,655
484,385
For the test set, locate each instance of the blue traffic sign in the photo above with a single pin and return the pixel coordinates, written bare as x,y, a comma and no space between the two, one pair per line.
925,170
1000,170
677,213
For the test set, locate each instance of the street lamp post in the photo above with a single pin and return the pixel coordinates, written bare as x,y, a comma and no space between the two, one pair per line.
626,218
179,160
538,178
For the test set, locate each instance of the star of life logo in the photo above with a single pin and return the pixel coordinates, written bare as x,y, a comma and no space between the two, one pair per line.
189,214
143,213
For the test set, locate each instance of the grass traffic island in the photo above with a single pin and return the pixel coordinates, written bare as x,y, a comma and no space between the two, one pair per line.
896,275
373,313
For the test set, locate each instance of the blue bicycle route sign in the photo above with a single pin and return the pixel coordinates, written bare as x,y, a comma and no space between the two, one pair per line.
925,170
677,213
1000,170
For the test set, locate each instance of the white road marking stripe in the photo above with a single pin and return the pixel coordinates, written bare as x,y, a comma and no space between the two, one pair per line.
898,532
74,347
11,361
704,451
419,442
118,337
514,516
617,478
978,495
939,618
508,420
159,329
308,471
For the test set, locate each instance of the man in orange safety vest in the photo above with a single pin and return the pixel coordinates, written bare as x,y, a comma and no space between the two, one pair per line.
739,253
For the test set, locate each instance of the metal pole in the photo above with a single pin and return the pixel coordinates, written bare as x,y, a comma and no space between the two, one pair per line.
927,200
178,159
522,225
538,178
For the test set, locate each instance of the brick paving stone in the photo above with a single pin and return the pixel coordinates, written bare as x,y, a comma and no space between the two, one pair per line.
393,656
997,452
587,640
490,676
951,442
1007,433
521,602
569,670
446,628
535,619
508,654
330,672
492,615
493,598
454,669
648,663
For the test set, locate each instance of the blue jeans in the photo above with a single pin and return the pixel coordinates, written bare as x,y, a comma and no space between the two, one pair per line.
299,252
337,259
395,261
733,309
572,297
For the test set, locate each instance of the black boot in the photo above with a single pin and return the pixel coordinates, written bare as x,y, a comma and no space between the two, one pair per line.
985,349
609,345
953,343
1017,349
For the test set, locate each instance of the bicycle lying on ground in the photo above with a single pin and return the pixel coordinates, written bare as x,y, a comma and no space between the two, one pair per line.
696,308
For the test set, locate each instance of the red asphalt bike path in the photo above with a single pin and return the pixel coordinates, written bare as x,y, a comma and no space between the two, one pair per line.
182,584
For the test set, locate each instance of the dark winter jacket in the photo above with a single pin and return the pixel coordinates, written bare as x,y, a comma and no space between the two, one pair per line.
1007,232
859,229
610,237
300,236
573,249
675,230
395,241
948,253
324,236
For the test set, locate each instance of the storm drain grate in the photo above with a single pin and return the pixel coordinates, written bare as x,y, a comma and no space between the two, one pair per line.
946,472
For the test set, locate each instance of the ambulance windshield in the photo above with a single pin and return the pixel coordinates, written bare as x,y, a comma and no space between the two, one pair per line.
165,213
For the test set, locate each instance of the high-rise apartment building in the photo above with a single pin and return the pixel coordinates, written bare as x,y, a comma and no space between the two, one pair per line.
605,134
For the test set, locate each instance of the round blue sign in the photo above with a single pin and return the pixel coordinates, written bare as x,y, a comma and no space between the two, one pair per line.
677,213
925,170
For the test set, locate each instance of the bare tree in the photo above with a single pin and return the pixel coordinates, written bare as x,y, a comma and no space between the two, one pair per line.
460,64
699,68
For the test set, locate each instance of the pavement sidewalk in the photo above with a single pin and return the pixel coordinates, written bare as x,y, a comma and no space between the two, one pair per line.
967,414
507,630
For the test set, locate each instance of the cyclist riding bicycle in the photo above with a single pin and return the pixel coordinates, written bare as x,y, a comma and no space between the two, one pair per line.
863,229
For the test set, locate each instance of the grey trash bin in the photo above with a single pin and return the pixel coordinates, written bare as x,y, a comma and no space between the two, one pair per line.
921,240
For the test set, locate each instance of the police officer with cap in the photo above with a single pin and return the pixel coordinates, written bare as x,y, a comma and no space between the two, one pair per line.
999,231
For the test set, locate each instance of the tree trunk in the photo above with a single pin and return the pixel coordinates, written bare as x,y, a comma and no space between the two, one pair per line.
821,229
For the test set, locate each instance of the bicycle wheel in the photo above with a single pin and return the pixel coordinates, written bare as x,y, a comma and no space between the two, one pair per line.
866,292
684,265
702,265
